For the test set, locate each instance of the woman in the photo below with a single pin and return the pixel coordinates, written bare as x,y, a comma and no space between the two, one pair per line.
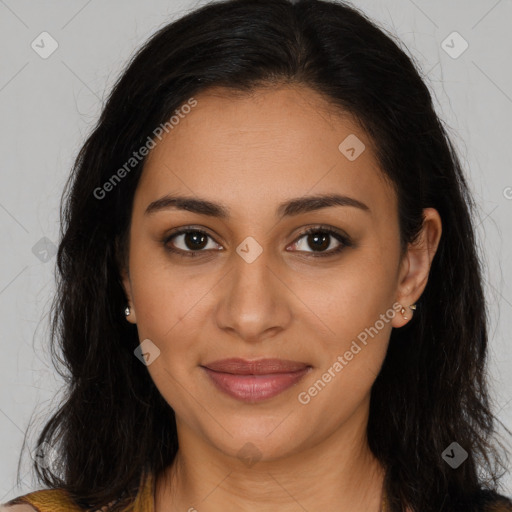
270,296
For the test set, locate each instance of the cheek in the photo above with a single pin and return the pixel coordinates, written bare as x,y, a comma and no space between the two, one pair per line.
169,311
349,297
353,312
156,296
172,305
161,291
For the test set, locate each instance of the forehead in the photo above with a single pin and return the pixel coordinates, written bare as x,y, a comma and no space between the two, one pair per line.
255,150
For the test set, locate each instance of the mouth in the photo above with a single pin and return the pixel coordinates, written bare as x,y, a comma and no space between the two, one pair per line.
254,381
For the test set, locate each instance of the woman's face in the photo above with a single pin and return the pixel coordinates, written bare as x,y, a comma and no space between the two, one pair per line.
251,286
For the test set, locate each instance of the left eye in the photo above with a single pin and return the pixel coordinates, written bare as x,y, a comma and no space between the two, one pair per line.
321,239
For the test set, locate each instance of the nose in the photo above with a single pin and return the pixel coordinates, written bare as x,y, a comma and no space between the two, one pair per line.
254,302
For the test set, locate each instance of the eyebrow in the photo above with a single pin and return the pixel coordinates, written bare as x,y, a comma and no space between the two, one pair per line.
288,208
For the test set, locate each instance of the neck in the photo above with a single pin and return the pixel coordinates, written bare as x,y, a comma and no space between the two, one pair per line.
340,473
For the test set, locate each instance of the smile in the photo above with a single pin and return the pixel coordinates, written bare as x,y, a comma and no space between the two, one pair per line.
254,381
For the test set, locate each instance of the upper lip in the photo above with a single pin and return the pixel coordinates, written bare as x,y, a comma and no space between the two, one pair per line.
239,366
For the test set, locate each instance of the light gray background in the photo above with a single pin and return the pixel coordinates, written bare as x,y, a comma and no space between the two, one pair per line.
48,106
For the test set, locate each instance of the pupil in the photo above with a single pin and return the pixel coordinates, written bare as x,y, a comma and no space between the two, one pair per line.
195,237
315,238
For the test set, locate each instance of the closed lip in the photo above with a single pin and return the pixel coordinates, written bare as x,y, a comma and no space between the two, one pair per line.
238,366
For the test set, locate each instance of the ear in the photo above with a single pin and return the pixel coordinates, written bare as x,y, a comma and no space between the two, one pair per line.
416,263
122,263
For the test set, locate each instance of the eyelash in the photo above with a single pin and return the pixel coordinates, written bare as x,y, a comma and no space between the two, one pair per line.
345,241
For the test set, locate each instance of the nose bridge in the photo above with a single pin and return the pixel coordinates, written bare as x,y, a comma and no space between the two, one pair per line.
253,279
253,300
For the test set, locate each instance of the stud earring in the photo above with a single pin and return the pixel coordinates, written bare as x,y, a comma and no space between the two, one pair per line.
412,306
127,311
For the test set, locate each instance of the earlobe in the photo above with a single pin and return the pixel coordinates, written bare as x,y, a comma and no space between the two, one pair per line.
130,315
129,311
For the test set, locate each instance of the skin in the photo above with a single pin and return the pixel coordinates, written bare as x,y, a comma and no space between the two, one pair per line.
251,153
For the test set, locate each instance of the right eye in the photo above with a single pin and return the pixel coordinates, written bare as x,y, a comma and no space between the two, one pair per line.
192,241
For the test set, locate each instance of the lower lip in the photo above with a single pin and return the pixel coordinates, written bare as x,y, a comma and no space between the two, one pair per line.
255,388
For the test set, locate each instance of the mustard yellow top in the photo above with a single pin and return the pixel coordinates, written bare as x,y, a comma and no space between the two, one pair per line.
58,500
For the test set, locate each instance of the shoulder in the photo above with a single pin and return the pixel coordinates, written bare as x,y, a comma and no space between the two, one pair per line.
59,500
45,500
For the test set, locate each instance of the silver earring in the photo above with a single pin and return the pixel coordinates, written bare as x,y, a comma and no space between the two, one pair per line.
127,311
